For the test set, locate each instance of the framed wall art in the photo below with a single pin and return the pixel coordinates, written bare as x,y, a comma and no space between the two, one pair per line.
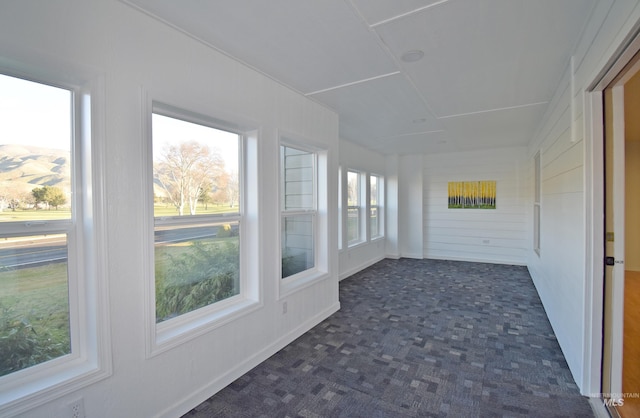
472,194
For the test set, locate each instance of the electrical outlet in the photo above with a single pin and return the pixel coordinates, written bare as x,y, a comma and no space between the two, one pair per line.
75,409
284,307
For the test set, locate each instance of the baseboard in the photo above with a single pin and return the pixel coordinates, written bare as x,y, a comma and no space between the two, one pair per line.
600,410
185,405
412,255
360,267
477,260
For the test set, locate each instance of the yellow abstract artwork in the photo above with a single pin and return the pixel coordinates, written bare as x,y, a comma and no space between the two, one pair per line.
472,194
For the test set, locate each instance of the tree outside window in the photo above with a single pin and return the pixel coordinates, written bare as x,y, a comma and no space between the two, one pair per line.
196,214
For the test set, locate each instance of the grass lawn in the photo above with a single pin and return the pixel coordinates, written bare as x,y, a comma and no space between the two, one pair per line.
37,296
31,215
65,213
161,209
191,275
166,253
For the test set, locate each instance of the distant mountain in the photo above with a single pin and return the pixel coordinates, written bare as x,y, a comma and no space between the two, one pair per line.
23,168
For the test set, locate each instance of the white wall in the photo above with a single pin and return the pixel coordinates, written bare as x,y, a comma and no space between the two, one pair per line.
404,206
392,247
487,235
563,282
410,216
136,54
357,257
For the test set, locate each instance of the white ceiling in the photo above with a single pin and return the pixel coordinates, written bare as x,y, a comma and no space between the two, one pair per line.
489,70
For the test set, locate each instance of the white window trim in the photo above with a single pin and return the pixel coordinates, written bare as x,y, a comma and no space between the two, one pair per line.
320,270
363,226
380,206
90,360
164,336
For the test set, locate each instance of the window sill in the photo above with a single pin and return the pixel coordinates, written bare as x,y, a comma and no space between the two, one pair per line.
170,334
356,244
287,287
22,391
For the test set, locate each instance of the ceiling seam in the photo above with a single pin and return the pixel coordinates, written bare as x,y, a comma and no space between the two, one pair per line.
403,15
353,83
386,49
498,109
437,131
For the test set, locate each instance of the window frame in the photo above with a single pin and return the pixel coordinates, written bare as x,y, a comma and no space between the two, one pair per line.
361,192
171,333
319,214
90,358
312,211
379,206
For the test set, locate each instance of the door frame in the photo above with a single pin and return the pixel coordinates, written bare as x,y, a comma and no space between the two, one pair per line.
612,365
594,184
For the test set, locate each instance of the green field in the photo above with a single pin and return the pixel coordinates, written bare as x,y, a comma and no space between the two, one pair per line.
158,211
34,326
194,274
34,301
169,210
32,215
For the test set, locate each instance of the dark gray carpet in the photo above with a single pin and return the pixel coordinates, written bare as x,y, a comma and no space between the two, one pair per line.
417,338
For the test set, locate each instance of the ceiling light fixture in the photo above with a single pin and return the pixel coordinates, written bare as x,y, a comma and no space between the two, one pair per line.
412,56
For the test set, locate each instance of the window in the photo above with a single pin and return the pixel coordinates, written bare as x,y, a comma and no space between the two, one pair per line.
299,210
536,204
197,208
354,203
51,302
35,196
375,207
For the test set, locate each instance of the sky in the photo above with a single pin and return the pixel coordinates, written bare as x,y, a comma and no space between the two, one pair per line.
168,130
39,115
34,114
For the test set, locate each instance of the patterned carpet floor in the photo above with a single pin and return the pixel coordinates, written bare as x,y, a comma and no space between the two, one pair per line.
417,338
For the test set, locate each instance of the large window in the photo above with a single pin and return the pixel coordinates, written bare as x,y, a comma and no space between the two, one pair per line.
375,206
299,210
50,298
364,208
38,215
354,208
197,213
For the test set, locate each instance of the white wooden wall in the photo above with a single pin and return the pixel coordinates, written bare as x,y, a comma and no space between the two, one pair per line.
488,235
563,272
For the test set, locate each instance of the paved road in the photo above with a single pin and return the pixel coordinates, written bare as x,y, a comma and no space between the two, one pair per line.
33,252
46,250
